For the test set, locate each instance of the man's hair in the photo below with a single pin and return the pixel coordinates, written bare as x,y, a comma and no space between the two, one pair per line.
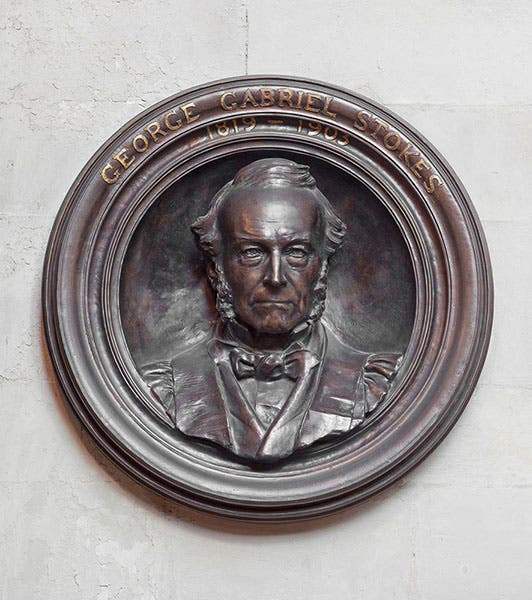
268,173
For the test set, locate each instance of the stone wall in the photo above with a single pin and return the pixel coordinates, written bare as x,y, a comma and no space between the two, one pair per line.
72,526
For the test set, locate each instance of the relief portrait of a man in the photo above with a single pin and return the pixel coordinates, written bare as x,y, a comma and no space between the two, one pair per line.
272,377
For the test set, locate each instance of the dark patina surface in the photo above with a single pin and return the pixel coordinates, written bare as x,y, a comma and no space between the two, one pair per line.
254,396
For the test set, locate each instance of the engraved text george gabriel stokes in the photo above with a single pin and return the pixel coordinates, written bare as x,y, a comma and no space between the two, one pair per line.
283,98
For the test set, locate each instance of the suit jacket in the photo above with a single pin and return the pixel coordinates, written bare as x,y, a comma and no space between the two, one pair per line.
201,394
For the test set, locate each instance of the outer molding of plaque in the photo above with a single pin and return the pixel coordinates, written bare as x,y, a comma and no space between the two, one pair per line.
115,189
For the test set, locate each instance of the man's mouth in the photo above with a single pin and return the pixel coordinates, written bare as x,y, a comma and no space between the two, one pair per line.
274,303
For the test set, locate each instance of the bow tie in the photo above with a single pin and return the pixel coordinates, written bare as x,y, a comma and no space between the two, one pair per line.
273,365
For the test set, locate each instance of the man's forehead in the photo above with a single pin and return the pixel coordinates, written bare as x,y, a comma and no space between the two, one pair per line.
259,211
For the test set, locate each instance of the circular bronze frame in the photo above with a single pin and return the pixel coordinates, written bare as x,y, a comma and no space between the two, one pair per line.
125,177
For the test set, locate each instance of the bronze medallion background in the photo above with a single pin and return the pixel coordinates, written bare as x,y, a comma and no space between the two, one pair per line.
122,284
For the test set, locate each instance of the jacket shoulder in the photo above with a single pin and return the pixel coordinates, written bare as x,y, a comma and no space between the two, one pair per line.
191,362
341,369
159,378
377,375
173,381
353,382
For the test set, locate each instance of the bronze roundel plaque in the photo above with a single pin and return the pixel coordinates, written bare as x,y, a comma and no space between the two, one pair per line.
267,298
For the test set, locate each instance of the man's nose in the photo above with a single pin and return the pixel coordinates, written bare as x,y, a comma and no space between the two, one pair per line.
275,276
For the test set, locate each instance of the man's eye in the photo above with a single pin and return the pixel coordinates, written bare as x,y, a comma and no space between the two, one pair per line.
251,253
297,253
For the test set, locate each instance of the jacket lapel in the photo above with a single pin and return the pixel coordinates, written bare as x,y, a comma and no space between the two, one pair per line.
244,428
282,437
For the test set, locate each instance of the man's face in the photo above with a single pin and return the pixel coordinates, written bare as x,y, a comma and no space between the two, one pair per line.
271,244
